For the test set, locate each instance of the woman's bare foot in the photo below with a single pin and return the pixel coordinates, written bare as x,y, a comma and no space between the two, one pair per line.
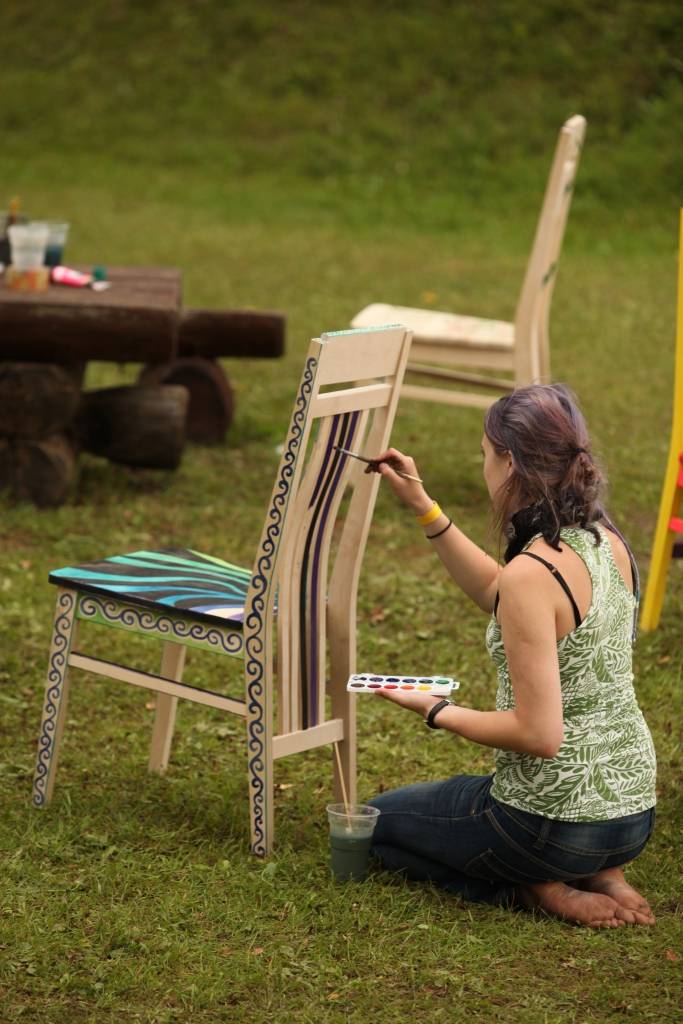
595,910
633,908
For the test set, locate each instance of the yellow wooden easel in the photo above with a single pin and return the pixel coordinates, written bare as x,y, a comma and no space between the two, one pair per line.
670,520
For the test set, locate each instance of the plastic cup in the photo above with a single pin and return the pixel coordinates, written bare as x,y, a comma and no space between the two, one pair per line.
18,218
351,829
27,244
58,231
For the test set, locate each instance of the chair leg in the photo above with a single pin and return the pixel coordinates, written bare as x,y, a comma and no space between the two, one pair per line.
172,665
260,772
56,695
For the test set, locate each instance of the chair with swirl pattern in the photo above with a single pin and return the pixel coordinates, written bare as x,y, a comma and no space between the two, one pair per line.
291,618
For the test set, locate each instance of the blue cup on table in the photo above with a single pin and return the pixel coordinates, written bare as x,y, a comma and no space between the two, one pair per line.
57,234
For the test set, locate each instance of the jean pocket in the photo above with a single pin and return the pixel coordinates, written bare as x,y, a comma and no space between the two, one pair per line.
609,838
621,857
519,855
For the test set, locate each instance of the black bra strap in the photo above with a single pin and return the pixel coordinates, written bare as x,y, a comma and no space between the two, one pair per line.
560,579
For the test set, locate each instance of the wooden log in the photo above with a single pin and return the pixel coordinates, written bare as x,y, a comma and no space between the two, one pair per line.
135,426
212,403
243,333
136,320
41,471
49,334
36,399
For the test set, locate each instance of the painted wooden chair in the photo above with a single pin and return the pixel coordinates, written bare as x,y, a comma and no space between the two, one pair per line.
668,540
305,565
447,347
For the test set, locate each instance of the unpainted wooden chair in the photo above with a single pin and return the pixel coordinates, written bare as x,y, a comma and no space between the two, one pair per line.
305,565
447,347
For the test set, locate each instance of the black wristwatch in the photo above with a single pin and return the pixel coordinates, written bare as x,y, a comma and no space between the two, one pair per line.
433,712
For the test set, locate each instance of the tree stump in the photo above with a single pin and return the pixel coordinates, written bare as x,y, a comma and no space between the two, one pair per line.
36,399
212,401
136,426
41,470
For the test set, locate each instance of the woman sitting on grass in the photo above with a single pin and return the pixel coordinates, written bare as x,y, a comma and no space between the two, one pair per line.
573,794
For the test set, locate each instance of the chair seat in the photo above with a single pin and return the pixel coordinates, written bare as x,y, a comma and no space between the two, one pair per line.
200,586
430,325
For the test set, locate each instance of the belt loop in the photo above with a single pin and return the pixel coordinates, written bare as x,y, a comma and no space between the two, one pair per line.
543,834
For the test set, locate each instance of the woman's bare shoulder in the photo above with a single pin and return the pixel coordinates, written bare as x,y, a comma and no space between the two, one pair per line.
621,557
520,572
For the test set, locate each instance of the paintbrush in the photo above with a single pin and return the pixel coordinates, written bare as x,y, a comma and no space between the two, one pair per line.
374,462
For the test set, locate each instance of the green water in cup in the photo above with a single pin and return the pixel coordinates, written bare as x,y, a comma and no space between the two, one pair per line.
350,855
351,831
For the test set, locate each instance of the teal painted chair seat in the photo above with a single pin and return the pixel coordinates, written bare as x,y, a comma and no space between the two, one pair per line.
198,586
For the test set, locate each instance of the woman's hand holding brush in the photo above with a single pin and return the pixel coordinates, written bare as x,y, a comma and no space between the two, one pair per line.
401,474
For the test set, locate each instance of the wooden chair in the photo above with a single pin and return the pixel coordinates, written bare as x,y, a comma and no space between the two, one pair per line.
668,540
304,565
447,347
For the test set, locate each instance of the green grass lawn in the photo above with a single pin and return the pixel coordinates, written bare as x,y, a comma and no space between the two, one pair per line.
312,158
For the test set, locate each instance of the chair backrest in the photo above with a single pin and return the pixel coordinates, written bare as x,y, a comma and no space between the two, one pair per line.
532,349
292,566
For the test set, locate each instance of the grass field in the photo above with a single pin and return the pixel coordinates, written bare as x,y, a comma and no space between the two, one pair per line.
312,158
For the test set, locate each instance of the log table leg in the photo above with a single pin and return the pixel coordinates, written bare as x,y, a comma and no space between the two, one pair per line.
37,399
205,335
212,401
37,448
41,471
136,426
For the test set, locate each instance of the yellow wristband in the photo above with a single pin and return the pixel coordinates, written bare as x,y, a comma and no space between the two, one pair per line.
430,516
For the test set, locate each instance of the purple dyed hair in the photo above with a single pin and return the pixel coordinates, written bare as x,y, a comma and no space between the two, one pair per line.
555,480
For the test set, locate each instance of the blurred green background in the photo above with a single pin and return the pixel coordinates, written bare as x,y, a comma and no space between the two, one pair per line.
352,112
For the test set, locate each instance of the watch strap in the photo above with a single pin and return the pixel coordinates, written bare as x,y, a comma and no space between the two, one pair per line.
433,712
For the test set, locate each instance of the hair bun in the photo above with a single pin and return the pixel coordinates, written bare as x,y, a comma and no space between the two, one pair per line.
555,480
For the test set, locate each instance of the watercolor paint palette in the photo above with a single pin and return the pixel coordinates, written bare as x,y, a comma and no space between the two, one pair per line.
364,682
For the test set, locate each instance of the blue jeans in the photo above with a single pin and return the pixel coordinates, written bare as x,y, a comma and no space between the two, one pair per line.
455,835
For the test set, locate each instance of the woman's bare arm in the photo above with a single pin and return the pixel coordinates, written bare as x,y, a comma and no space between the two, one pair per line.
475,572
527,616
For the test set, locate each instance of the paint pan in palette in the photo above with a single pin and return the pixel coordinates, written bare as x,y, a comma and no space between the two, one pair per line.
364,682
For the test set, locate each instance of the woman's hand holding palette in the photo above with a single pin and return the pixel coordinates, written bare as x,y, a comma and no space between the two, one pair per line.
365,683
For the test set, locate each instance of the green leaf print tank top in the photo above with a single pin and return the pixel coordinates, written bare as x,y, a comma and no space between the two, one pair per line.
606,765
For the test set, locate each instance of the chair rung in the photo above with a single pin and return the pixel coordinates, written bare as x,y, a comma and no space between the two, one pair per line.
447,397
307,739
475,379
151,682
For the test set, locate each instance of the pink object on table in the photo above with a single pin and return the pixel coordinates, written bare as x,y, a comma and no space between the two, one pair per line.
74,278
